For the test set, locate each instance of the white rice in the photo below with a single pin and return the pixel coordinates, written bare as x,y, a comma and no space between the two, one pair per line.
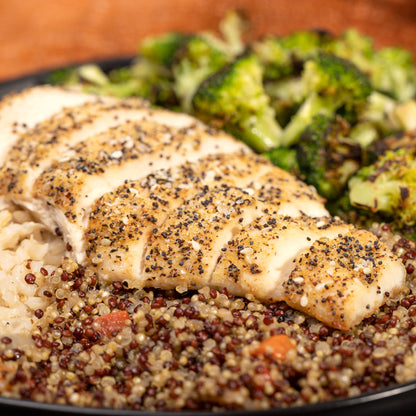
21,240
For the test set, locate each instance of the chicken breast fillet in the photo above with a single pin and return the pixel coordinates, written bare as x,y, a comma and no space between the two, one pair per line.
126,218
321,266
22,111
339,280
73,132
67,190
155,198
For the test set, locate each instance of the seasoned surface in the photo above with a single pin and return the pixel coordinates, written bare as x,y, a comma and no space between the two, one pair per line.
122,221
21,111
184,251
127,152
355,267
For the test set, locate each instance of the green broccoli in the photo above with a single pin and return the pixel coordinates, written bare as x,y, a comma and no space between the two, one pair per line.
143,79
327,156
285,158
154,82
234,99
388,186
365,134
162,48
393,73
64,76
312,106
118,82
380,111
391,70
388,116
331,85
88,74
284,56
180,63
339,79
403,140
184,61
153,69
286,95
355,47
194,61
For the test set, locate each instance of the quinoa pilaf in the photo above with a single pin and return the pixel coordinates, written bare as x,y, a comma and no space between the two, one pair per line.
199,350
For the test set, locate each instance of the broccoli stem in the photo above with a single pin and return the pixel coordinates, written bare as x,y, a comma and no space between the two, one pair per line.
311,107
260,131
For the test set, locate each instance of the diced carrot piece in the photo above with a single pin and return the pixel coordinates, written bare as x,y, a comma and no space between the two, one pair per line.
277,345
112,322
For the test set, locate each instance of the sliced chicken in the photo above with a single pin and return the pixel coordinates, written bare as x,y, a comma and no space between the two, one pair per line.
343,280
183,252
293,196
66,190
156,198
321,266
259,259
121,222
22,111
55,140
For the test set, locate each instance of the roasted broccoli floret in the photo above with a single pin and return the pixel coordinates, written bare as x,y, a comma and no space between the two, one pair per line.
388,186
286,95
339,79
312,106
403,140
387,115
234,99
172,66
153,69
394,73
284,56
331,85
380,112
230,41
89,74
143,79
391,70
355,47
182,61
194,61
161,49
284,157
327,156
118,82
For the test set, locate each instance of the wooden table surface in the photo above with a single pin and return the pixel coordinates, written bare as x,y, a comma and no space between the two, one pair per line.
40,34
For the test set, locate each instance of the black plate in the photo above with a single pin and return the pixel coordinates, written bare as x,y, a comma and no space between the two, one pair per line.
399,399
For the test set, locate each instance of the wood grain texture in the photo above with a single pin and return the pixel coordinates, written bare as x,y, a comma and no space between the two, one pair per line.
40,34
